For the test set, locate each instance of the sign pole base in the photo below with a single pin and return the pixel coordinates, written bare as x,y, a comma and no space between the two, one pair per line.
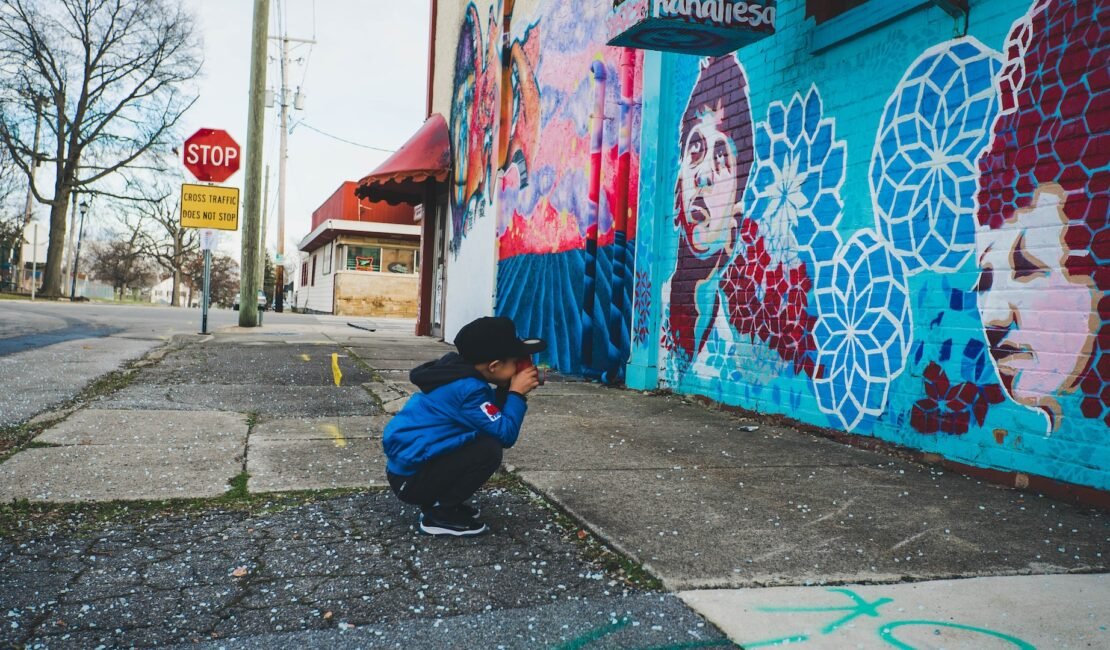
207,289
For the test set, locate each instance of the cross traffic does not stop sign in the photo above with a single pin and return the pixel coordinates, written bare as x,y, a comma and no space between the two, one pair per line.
211,155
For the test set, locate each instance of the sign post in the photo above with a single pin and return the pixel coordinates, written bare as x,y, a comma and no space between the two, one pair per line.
207,242
211,155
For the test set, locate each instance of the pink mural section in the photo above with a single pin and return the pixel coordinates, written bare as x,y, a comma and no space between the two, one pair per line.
546,162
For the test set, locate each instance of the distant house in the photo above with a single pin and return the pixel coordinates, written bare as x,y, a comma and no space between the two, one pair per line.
162,293
361,259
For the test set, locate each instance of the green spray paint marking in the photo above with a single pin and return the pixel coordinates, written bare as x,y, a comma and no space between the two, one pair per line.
886,633
861,608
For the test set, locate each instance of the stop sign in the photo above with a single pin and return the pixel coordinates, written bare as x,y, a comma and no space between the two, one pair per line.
211,155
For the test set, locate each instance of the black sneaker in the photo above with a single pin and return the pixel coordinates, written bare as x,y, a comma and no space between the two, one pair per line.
468,510
450,521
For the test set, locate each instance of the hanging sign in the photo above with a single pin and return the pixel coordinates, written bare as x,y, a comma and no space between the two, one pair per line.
702,27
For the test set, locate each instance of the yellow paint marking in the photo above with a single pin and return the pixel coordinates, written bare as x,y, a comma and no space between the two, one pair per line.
305,357
335,368
337,435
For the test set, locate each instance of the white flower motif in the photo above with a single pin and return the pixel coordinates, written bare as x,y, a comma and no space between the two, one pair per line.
794,191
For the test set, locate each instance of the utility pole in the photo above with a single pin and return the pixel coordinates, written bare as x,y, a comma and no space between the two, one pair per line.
262,238
248,279
283,95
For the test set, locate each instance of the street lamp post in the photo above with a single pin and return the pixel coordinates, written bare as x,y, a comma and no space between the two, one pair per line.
84,208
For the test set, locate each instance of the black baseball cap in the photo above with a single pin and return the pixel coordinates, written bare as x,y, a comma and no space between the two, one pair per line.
493,338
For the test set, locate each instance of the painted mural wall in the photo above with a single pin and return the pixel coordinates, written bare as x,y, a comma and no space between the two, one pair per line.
903,236
546,170
473,67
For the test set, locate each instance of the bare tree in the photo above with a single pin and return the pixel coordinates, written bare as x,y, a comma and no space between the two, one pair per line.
120,263
107,79
163,239
223,276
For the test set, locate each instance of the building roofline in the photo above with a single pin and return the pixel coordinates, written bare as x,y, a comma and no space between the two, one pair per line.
332,228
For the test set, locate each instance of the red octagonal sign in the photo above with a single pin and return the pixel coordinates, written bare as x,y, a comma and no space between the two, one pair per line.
211,155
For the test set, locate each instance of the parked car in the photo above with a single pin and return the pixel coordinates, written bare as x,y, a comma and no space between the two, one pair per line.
263,304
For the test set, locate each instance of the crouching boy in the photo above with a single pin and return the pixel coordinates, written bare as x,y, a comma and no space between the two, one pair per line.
447,440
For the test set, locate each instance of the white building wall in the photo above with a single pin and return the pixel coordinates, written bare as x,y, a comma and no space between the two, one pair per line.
162,293
471,274
318,297
472,266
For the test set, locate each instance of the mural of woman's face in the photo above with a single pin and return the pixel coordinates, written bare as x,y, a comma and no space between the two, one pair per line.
708,185
1039,318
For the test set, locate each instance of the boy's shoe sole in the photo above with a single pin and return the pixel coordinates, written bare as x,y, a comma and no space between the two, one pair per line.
440,529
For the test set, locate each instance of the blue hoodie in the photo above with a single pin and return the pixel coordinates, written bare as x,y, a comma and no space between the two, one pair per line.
454,406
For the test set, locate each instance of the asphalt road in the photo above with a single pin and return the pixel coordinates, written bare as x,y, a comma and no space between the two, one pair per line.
49,351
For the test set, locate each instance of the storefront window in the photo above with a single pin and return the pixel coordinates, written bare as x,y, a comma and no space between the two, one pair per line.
382,259
364,258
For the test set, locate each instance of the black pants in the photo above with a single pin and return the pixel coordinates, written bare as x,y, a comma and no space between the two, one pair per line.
450,478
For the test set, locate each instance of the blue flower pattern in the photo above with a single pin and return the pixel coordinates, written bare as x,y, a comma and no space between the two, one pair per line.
924,168
863,330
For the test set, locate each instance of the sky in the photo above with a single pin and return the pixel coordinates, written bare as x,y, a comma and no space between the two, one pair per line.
363,81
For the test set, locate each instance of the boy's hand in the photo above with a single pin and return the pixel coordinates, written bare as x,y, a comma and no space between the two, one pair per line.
524,381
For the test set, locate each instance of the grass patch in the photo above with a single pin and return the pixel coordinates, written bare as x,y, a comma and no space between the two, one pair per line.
40,445
14,296
21,519
16,437
107,384
238,489
590,547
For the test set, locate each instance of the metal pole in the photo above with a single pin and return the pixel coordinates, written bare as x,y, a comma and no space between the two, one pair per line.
279,276
34,260
72,233
248,279
207,289
77,258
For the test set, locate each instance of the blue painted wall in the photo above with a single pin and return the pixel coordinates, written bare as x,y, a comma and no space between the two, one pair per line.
902,234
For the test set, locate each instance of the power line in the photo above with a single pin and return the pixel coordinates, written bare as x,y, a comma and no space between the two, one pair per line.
335,137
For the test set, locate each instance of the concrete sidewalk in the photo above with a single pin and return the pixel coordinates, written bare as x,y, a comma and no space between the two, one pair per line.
718,512
715,510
